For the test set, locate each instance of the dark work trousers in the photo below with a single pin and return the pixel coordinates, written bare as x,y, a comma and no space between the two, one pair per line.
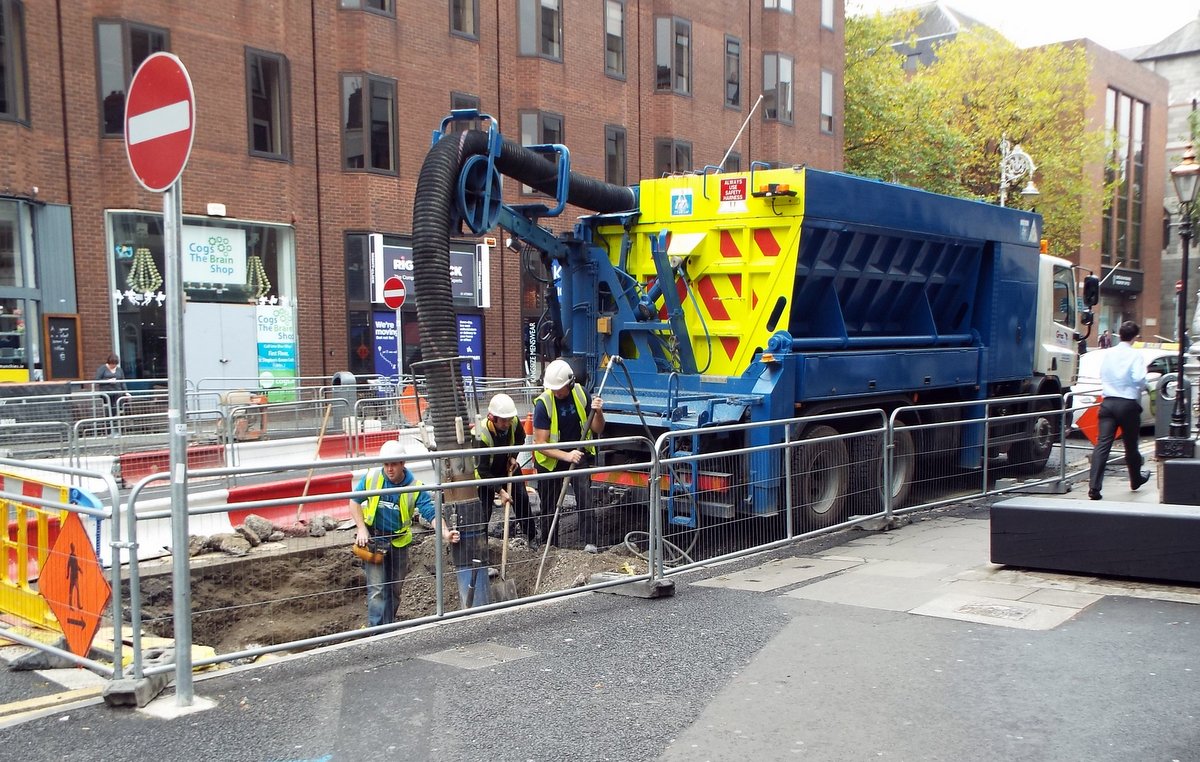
1114,412
520,507
548,491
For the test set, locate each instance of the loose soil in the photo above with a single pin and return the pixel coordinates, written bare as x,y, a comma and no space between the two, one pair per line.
279,594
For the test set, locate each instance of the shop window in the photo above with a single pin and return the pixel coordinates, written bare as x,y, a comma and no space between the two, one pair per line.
14,95
268,104
673,55
369,119
464,18
223,262
121,46
19,316
539,25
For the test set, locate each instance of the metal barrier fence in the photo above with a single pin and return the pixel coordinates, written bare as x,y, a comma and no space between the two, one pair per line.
688,499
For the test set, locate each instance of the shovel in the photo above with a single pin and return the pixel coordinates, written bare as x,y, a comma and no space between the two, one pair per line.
503,588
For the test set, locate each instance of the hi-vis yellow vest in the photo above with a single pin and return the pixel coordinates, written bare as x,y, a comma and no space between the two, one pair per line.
547,398
406,502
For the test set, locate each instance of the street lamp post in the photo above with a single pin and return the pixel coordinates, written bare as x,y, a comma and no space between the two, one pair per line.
1180,444
1015,164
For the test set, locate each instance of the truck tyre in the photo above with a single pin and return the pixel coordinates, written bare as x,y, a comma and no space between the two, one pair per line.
866,457
820,475
1028,455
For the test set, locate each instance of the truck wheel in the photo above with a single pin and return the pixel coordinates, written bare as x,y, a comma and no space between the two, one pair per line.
820,474
866,456
1029,454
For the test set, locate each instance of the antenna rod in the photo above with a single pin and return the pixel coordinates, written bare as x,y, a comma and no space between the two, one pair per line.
738,137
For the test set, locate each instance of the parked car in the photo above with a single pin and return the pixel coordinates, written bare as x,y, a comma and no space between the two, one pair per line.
1087,388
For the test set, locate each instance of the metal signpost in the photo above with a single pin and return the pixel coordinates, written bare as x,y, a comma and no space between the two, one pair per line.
160,121
393,297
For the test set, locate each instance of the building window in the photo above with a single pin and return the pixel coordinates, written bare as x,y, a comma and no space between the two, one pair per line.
120,49
540,128
464,101
778,5
268,104
614,155
384,7
614,38
464,18
827,14
673,55
369,132
13,95
733,72
826,101
733,163
671,157
540,28
777,87
1124,211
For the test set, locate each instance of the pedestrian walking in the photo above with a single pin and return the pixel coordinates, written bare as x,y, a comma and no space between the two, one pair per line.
384,526
559,415
1122,379
1105,340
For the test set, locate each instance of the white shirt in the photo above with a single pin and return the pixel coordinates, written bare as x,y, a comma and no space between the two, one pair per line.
1123,372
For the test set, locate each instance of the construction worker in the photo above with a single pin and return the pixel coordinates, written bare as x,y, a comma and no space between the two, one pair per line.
560,414
384,523
503,429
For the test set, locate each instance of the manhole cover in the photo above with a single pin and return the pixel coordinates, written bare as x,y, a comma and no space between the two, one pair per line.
994,611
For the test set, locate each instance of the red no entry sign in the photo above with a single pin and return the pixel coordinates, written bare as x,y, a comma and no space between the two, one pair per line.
393,292
160,121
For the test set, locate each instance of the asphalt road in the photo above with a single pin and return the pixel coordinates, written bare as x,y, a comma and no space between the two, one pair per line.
711,673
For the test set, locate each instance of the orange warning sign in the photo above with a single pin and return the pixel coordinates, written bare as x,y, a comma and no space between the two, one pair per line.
1089,423
74,585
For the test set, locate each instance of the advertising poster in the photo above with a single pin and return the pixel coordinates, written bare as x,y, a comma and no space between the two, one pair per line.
276,328
470,338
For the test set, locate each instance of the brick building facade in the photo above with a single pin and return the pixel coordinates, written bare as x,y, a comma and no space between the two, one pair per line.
312,121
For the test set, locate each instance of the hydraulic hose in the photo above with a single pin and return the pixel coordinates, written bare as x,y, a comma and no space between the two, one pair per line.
432,216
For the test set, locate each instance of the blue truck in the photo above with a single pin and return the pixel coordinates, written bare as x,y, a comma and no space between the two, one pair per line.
770,294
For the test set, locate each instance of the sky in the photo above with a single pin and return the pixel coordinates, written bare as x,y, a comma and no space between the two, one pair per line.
1115,24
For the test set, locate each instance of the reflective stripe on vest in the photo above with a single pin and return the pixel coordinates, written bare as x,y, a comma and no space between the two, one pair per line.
490,441
406,503
551,404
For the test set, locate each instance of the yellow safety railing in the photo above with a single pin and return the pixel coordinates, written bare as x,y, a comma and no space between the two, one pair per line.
20,597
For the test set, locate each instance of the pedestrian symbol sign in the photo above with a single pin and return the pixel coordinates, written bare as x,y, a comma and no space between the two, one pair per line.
74,586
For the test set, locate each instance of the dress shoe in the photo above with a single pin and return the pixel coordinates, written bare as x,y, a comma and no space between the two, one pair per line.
1093,494
1141,479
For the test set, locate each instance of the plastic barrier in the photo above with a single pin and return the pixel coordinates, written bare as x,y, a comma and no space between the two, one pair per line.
286,514
133,466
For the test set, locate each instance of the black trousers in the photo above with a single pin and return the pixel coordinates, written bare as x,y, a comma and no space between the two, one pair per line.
548,492
520,508
1127,414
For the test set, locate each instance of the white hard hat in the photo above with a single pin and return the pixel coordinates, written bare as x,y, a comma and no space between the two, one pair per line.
392,451
502,406
558,375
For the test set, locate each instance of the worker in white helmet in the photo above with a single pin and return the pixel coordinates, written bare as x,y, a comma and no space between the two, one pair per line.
502,428
384,524
559,415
